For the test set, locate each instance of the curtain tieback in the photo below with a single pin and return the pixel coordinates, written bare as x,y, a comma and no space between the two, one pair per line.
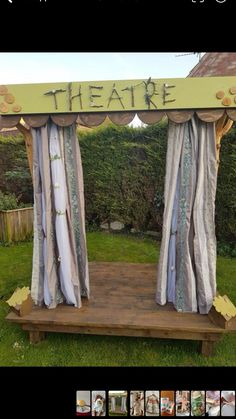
60,212
55,157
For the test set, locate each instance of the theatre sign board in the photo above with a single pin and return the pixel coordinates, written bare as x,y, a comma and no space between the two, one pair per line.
118,95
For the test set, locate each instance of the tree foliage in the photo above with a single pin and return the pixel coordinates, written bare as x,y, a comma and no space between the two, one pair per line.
14,170
226,190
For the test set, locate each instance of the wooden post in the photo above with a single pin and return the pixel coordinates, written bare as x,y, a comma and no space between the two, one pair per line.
223,125
36,336
207,347
29,145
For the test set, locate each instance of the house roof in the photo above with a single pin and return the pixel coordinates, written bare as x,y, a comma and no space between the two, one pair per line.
215,64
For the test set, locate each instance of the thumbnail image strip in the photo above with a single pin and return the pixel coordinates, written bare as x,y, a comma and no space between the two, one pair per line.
152,398
228,403
137,403
197,403
167,403
117,403
83,404
99,403
182,407
213,403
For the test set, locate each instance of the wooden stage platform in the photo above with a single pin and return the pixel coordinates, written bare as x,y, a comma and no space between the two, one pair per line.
122,303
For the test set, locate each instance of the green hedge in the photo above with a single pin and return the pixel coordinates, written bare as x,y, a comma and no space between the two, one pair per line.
124,171
9,201
124,175
226,195
14,170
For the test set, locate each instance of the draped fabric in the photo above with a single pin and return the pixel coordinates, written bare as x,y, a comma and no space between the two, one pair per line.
187,265
123,404
60,265
171,272
113,404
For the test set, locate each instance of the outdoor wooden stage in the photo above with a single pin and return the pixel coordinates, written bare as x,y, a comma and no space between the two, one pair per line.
122,303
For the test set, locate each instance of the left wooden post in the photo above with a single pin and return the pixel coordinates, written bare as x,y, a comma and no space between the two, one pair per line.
35,336
29,145
207,347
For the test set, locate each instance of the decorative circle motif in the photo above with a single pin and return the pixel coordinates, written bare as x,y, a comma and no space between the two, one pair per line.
9,98
3,90
226,101
16,108
220,94
4,107
232,90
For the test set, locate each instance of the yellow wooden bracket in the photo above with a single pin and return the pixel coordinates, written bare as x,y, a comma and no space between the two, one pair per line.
224,306
18,297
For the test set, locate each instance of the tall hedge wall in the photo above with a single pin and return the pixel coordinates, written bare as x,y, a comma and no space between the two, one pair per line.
124,175
124,171
226,190
14,169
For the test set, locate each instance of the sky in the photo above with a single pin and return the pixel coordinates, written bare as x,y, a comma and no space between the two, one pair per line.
20,68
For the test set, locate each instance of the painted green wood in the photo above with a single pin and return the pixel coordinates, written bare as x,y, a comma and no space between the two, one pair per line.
119,95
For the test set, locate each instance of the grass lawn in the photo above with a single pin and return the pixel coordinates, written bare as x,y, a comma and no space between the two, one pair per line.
85,350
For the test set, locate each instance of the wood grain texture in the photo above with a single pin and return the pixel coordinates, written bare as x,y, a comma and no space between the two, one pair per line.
121,118
28,143
207,348
16,225
36,336
180,116
122,303
9,121
151,117
36,121
210,115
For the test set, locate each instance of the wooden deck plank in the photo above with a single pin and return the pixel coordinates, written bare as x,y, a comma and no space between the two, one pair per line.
100,316
123,299
122,303
123,332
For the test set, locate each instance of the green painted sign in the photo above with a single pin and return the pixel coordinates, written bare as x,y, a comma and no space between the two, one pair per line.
119,95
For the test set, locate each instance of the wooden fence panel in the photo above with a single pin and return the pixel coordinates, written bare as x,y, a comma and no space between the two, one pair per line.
16,225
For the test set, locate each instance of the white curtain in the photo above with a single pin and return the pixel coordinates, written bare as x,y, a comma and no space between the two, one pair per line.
187,265
113,404
60,197
60,264
123,404
171,273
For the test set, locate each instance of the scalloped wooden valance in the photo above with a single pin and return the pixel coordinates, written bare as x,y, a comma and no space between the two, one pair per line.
119,118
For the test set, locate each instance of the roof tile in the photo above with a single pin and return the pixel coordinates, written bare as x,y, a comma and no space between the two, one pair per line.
215,64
